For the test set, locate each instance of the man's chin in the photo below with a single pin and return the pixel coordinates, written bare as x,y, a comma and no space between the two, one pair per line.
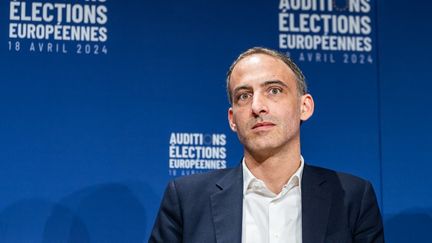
261,147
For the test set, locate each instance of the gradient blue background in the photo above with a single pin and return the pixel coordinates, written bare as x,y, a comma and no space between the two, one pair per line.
84,139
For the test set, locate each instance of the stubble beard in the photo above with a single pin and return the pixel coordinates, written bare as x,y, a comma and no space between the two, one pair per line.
264,144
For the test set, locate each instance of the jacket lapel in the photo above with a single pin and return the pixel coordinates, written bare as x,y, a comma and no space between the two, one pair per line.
316,201
227,206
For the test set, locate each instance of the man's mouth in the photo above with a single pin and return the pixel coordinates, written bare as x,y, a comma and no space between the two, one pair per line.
263,125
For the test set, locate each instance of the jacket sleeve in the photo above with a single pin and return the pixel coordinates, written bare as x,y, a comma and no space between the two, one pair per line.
168,226
369,226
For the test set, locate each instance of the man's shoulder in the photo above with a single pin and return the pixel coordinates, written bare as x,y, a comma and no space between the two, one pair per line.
336,175
348,183
206,180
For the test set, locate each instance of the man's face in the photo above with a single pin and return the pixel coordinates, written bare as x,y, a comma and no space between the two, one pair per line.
266,107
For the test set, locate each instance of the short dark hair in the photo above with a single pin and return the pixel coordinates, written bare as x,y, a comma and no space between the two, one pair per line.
300,78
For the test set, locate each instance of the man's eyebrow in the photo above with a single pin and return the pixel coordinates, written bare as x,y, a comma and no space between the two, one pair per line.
241,87
264,84
271,82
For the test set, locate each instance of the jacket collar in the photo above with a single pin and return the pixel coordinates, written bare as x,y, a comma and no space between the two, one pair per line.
227,206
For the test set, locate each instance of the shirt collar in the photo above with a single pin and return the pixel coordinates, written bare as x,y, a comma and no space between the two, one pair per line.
249,178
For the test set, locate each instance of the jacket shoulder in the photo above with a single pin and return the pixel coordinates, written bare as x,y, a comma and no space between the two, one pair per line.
205,183
349,185
333,175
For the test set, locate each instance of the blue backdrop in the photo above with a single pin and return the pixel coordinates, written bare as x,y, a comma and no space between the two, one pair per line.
98,99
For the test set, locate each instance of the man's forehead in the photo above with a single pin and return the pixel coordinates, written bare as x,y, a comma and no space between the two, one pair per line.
257,58
260,67
253,58
260,61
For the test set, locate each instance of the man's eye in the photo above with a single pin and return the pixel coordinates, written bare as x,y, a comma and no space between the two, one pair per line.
243,96
275,90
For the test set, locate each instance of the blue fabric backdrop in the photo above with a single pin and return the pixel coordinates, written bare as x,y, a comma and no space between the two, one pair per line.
86,125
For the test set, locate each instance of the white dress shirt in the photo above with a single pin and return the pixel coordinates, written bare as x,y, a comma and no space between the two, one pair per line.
271,218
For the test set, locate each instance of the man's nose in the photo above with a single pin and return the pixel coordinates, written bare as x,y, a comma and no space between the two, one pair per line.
259,105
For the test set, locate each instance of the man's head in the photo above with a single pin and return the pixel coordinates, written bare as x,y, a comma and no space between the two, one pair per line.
300,78
269,101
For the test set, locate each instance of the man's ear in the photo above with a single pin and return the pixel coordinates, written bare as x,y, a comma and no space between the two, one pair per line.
306,107
231,120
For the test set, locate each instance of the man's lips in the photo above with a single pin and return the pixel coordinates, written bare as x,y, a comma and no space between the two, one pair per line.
263,125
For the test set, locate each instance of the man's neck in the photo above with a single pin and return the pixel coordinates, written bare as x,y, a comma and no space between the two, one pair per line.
274,170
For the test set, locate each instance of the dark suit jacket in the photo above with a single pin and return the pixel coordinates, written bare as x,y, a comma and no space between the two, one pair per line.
205,208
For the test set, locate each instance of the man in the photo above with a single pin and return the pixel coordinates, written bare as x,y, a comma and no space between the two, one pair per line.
273,196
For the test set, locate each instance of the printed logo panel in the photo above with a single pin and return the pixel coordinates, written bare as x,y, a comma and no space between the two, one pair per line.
327,31
74,27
